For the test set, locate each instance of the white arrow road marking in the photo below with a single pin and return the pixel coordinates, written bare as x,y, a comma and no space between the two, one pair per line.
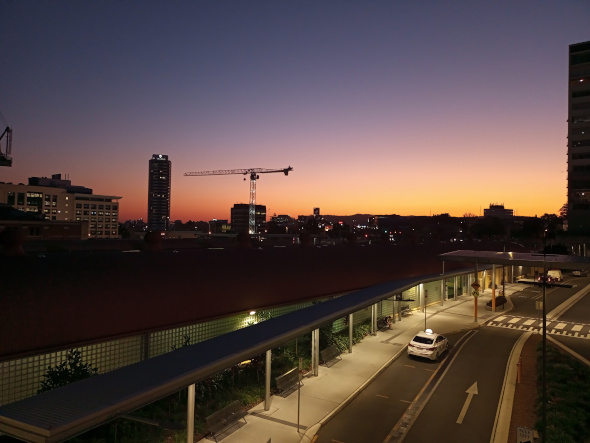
470,393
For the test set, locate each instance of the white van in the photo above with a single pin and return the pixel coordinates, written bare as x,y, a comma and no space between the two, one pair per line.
555,274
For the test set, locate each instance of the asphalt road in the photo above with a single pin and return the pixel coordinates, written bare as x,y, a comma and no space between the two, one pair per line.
371,416
479,363
477,359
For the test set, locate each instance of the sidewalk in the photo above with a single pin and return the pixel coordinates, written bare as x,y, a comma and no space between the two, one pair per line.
324,395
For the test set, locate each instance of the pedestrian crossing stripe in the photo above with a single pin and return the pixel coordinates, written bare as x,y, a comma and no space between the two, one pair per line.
570,329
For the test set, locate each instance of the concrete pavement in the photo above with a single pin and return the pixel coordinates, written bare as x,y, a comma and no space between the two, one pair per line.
322,396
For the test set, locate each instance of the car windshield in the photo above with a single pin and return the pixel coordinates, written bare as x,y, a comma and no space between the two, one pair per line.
425,340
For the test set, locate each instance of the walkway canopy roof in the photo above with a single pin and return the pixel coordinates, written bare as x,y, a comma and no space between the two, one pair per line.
550,261
64,412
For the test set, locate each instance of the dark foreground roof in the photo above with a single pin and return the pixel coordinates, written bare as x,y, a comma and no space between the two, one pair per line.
64,300
70,410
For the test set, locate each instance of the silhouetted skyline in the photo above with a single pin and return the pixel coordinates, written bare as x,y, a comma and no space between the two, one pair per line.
383,108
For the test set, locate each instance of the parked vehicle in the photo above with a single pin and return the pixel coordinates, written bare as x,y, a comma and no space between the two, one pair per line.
428,344
555,274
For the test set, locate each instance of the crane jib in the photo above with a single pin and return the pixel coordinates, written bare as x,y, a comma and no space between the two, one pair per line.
253,177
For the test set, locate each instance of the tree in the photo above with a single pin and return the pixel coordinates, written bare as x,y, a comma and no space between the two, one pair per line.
563,211
68,371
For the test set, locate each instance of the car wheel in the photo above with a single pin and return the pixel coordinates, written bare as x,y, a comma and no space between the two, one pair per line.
435,356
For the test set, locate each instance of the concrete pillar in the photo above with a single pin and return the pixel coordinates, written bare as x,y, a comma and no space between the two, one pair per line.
267,372
373,319
190,414
443,291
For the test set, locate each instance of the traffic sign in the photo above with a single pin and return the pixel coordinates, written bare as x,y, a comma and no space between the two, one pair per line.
475,285
524,435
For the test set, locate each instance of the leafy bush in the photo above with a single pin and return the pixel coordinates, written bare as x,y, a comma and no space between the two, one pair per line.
568,397
68,371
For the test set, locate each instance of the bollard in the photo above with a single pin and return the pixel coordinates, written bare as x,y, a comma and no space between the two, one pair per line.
519,369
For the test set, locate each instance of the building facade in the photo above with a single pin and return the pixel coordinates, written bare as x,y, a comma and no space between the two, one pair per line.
240,217
56,199
159,193
578,154
498,211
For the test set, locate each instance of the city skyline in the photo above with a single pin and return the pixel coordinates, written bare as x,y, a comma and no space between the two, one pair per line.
409,109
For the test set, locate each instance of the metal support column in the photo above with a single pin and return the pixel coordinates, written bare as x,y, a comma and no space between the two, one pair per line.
190,414
493,288
477,290
267,372
350,329
421,297
443,291
373,319
313,362
316,352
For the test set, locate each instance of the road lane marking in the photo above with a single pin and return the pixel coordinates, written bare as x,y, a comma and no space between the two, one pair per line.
410,366
529,322
560,325
515,320
470,393
577,328
382,396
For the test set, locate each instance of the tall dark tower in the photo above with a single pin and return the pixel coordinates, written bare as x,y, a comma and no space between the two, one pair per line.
578,156
159,193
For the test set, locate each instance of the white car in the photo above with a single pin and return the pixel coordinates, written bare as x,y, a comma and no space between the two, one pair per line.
428,344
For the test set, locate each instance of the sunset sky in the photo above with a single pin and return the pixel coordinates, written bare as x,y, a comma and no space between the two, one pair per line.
381,107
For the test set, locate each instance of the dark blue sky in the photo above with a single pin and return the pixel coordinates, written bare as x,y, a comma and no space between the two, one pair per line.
380,107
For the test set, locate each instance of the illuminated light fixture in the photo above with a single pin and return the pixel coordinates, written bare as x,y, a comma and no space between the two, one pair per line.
252,312
428,331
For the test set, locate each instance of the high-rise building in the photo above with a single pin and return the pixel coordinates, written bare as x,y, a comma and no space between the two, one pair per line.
578,155
159,193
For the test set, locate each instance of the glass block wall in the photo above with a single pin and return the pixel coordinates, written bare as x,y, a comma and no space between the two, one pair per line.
21,378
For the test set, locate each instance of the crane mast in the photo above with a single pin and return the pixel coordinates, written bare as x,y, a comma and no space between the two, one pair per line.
254,175
5,158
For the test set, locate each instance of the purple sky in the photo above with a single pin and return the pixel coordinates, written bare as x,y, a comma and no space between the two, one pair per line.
413,108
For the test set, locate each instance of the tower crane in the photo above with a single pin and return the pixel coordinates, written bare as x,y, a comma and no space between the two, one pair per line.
5,158
254,175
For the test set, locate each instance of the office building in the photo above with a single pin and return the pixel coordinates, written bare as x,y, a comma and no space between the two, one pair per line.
578,154
498,211
159,193
57,200
240,217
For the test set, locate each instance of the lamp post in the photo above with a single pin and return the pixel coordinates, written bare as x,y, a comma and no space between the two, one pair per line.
544,386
